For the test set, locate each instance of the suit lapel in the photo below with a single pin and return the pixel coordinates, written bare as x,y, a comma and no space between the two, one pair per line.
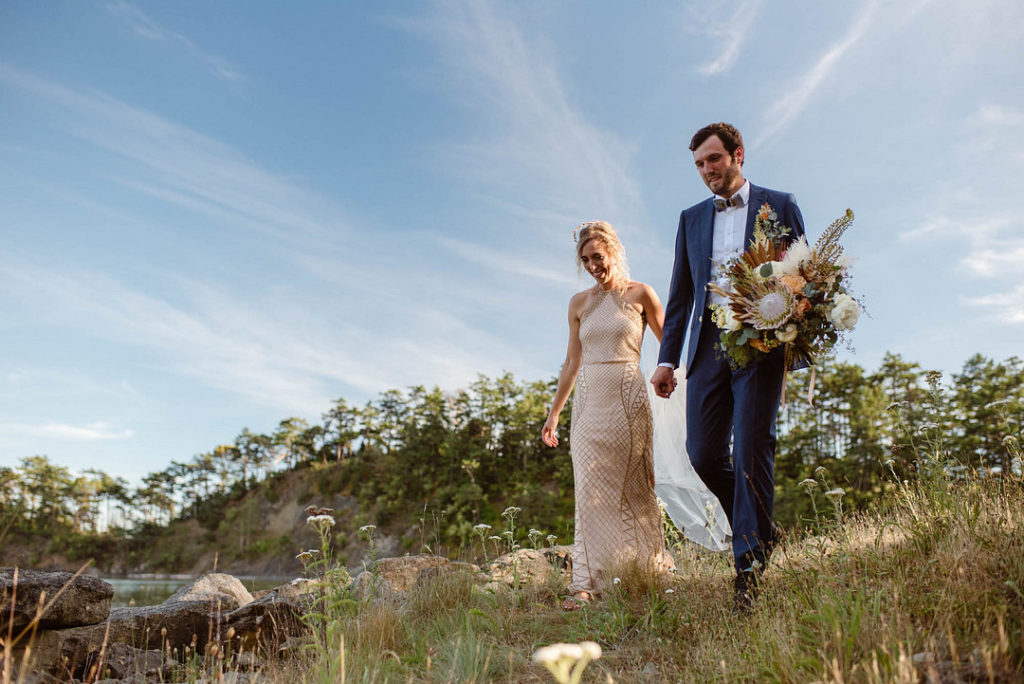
707,234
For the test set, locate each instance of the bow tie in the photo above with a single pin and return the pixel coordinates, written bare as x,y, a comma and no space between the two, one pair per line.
734,201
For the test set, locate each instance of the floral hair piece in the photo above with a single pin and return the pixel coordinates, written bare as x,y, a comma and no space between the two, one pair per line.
580,228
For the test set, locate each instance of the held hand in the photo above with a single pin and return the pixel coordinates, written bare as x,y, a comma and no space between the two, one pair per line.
664,381
548,435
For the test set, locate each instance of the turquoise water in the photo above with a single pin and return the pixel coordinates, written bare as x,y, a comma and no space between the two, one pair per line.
149,591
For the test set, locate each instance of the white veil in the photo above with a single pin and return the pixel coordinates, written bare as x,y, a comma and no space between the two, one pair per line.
689,503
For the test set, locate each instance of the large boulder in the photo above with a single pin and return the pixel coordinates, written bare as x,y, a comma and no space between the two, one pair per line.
531,566
174,627
396,576
217,589
80,600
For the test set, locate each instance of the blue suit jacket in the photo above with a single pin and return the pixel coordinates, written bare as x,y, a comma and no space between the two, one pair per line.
691,272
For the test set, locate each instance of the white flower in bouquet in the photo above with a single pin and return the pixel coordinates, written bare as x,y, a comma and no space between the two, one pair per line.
796,254
845,312
787,334
729,320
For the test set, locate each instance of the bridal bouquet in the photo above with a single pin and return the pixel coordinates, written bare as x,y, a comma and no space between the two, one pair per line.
791,295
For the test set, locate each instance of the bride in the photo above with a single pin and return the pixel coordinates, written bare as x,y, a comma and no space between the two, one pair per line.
612,437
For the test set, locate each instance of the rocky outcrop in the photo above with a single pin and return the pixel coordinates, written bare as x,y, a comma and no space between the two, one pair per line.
216,614
174,627
198,614
80,600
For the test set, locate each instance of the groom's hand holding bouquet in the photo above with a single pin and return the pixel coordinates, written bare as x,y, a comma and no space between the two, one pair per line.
785,295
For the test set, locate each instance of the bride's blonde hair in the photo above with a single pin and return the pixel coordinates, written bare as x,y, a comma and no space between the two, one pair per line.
603,232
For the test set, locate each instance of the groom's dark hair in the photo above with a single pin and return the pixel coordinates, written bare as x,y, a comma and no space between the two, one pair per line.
727,133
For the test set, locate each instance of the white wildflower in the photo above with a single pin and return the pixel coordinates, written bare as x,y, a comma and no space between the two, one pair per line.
367,529
511,512
481,528
616,580
808,483
670,591
317,520
836,493
567,661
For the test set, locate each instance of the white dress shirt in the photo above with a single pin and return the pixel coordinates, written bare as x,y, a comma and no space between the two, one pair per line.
727,241
730,228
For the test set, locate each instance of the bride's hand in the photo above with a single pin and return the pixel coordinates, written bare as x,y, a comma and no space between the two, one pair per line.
548,435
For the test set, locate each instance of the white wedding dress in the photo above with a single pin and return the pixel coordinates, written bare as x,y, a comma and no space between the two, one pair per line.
695,511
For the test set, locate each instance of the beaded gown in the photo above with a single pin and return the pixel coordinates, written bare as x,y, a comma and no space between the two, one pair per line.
617,514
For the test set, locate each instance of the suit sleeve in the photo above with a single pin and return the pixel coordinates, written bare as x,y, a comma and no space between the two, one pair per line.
793,218
680,302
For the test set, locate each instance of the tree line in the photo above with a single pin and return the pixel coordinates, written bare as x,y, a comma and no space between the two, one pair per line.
466,455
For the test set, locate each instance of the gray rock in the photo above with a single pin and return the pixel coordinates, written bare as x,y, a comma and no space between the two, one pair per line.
213,588
123,662
297,588
80,600
180,625
263,625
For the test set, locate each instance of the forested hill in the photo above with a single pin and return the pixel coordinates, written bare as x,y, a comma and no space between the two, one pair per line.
426,466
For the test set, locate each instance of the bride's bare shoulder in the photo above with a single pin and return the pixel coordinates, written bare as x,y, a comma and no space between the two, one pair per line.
638,291
579,301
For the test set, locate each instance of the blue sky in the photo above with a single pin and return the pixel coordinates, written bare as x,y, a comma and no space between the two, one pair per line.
220,215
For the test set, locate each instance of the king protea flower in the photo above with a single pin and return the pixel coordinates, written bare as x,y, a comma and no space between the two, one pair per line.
771,305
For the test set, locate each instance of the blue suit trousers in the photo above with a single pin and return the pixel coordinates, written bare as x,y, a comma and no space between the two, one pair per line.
738,406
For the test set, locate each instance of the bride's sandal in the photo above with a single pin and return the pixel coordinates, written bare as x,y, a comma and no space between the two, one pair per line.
576,601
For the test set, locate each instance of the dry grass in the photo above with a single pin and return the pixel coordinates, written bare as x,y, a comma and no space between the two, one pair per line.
929,587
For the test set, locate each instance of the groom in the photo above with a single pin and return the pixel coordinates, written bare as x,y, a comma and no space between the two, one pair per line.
722,402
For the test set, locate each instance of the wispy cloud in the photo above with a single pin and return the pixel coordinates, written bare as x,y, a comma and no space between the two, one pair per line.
994,262
517,263
536,149
791,104
294,354
249,348
978,225
1006,307
290,349
183,167
144,26
77,433
730,32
